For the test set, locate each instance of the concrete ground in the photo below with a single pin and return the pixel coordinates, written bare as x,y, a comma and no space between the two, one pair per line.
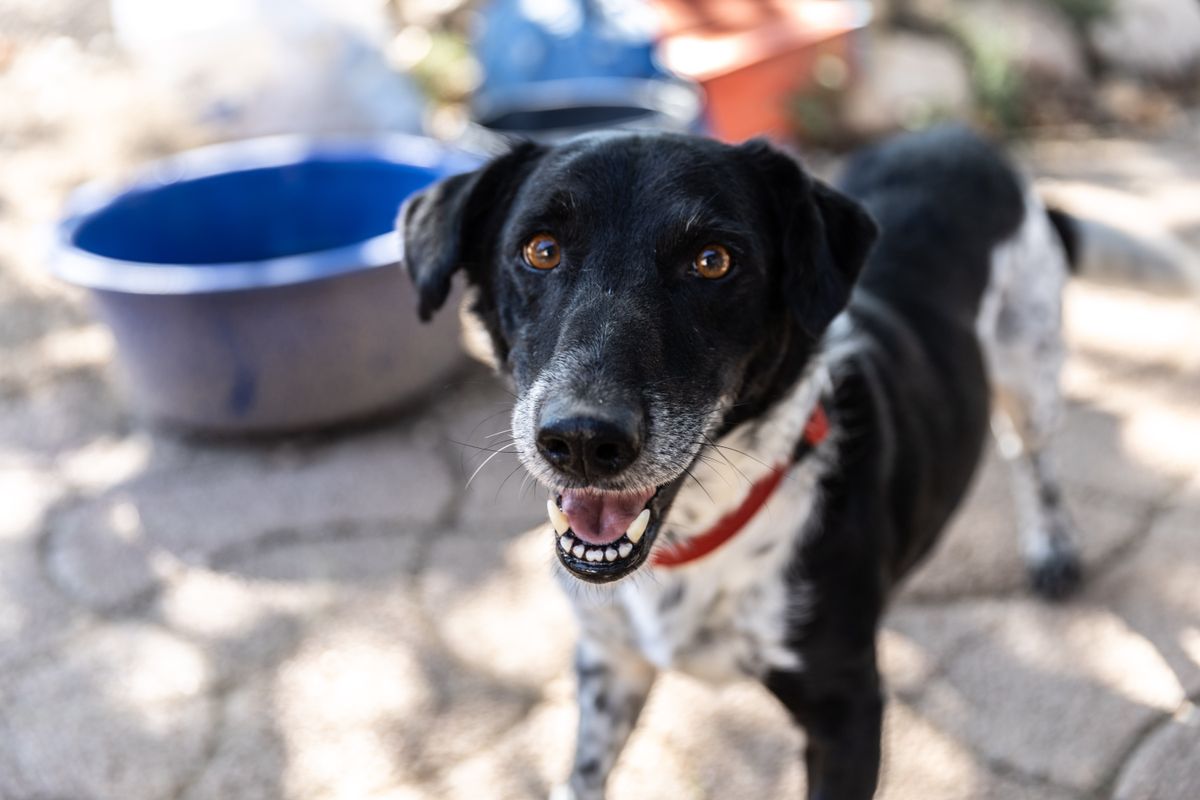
336,616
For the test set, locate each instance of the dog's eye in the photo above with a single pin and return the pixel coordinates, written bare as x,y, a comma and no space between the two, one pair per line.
712,262
542,252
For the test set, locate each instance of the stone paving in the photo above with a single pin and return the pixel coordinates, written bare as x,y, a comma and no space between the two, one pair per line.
336,616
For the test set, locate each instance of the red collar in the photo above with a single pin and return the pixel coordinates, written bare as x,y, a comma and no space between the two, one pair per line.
728,526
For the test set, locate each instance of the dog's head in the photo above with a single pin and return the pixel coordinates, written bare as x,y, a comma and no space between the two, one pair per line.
645,293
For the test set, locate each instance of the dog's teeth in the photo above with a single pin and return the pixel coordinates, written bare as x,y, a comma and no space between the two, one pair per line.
624,549
595,555
639,526
610,554
557,518
577,550
566,542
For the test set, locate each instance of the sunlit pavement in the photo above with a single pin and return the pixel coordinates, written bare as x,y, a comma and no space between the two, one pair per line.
339,616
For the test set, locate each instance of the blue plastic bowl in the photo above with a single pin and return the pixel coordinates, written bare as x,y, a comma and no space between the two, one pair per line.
253,286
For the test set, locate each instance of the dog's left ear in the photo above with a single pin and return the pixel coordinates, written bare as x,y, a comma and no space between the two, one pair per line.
826,237
452,223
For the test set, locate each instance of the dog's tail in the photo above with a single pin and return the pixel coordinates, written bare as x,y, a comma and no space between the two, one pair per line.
1124,247
1067,228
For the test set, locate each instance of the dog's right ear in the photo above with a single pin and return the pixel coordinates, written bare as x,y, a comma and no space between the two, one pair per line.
451,223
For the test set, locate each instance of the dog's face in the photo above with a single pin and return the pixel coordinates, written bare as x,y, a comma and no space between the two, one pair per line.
645,293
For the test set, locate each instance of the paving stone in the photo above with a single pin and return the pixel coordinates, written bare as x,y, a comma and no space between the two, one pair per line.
1166,766
120,714
916,640
496,603
1137,432
365,703
100,554
1135,331
76,408
228,502
692,741
922,762
736,741
979,553
905,665
108,461
25,497
241,625
533,755
476,713
1056,693
1156,590
352,700
250,759
352,554
322,726
34,615
1096,452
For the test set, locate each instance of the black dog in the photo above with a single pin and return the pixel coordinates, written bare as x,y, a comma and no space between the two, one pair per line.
696,330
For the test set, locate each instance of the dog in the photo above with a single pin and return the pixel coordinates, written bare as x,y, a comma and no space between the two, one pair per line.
756,399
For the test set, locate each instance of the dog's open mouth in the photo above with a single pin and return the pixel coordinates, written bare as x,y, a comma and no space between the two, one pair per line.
603,536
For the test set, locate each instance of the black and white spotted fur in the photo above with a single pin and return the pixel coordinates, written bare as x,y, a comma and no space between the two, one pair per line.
958,302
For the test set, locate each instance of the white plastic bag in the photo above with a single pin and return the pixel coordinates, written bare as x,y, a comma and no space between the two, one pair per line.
253,67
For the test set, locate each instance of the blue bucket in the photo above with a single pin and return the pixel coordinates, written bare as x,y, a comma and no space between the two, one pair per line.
253,286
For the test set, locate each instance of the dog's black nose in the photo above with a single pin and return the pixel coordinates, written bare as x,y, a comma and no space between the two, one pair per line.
587,442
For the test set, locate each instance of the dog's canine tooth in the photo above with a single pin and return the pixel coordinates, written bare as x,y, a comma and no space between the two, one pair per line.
557,518
577,550
638,527
566,542
610,554
595,555
624,549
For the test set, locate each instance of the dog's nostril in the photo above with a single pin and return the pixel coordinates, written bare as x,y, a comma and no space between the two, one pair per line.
554,448
610,456
607,452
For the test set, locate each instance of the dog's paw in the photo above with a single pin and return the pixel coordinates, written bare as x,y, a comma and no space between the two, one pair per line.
1057,574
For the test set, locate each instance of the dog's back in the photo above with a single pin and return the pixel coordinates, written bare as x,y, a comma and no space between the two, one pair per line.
958,302
945,201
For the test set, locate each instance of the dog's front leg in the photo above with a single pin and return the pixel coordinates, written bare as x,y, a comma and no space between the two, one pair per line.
841,711
614,681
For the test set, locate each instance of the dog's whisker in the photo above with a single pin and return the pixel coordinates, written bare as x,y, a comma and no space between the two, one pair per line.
500,448
506,410
712,466
501,486
703,488
718,451
527,483
720,447
484,464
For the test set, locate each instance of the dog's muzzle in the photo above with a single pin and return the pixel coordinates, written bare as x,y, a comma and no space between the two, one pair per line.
604,536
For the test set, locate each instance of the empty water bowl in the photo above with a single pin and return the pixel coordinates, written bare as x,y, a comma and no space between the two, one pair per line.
253,286
554,110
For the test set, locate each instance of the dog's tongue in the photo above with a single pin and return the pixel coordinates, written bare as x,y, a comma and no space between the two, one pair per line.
602,518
